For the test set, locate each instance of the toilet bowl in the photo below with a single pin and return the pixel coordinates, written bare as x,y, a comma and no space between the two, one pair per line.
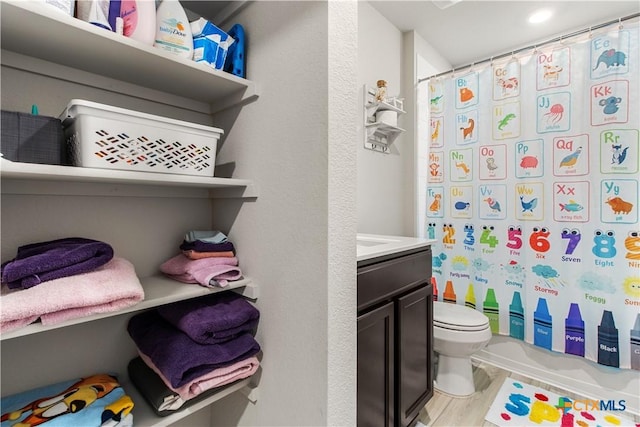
458,332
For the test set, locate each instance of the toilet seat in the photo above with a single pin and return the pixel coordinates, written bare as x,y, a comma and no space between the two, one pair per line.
458,317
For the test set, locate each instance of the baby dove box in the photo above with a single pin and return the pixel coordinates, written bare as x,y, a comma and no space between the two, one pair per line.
210,43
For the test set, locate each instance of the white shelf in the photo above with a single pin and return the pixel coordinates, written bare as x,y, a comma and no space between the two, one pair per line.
383,106
378,135
158,290
144,416
383,128
39,172
38,30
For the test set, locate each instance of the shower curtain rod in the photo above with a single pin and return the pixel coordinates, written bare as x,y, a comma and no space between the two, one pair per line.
533,46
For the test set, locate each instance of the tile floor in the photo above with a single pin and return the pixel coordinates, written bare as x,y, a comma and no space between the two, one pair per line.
446,411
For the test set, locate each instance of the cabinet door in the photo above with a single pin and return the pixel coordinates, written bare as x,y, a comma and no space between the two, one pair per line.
375,368
414,353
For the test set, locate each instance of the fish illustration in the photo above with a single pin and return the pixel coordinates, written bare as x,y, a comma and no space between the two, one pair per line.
530,205
462,205
572,206
493,204
572,158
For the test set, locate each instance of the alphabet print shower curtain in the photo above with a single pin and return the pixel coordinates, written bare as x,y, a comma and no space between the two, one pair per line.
533,194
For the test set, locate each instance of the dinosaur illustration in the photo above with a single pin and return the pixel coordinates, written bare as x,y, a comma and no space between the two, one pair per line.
505,120
436,100
468,131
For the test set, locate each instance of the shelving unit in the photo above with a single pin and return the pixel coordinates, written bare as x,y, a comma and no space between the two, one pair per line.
40,40
378,136
82,46
32,172
158,290
143,415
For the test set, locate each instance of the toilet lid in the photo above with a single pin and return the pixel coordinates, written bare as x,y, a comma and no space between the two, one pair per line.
458,317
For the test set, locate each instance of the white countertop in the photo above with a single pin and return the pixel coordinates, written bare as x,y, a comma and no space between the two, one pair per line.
374,245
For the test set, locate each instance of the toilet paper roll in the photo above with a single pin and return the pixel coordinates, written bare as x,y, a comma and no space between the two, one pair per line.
387,117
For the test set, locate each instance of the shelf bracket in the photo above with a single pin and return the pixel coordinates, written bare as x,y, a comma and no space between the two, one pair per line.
251,393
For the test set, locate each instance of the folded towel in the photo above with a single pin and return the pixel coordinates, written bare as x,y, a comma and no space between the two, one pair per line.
206,271
44,261
200,255
216,378
212,319
180,359
111,287
93,401
209,236
163,400
207,247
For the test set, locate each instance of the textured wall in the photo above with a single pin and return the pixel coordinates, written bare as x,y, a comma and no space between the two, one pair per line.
381,177
282,142
343,125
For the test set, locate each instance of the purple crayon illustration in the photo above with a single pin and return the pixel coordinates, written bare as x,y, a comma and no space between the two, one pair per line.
574,331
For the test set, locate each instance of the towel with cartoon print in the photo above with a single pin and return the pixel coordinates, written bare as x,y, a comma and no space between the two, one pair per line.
98,401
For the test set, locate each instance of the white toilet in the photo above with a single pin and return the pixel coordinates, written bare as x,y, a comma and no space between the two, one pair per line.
458,332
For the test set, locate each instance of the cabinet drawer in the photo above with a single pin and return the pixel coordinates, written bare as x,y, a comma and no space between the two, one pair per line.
378,282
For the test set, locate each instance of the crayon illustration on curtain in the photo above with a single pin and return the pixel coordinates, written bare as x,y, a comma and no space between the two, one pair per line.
533,190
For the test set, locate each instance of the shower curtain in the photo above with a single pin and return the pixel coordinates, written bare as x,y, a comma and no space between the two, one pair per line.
532,193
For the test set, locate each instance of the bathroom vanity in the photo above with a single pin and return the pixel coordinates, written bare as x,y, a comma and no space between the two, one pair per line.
395,329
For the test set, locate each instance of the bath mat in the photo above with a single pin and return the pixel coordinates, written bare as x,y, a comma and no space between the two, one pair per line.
520,404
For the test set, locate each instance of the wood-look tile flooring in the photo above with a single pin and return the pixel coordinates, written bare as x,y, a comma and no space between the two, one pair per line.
446,411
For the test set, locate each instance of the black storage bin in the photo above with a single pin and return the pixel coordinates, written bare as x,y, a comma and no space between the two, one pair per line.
30,138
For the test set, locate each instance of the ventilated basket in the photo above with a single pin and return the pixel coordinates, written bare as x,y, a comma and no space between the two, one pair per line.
107,137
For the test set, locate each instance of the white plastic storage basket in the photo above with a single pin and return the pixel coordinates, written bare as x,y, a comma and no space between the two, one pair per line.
107,137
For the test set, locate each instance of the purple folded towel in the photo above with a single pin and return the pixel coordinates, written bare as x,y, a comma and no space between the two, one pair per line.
212,319
44,261
179,358
201,246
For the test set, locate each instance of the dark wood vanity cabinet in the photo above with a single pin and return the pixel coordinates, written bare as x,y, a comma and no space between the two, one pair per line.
395,338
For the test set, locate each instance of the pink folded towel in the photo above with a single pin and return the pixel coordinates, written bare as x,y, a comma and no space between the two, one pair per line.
216,378
112,287
199,255
208,272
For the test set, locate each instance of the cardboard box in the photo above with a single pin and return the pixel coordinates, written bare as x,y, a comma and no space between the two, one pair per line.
210,43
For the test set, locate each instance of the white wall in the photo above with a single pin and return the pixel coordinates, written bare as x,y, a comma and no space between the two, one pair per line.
428,63
296,142
382,205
